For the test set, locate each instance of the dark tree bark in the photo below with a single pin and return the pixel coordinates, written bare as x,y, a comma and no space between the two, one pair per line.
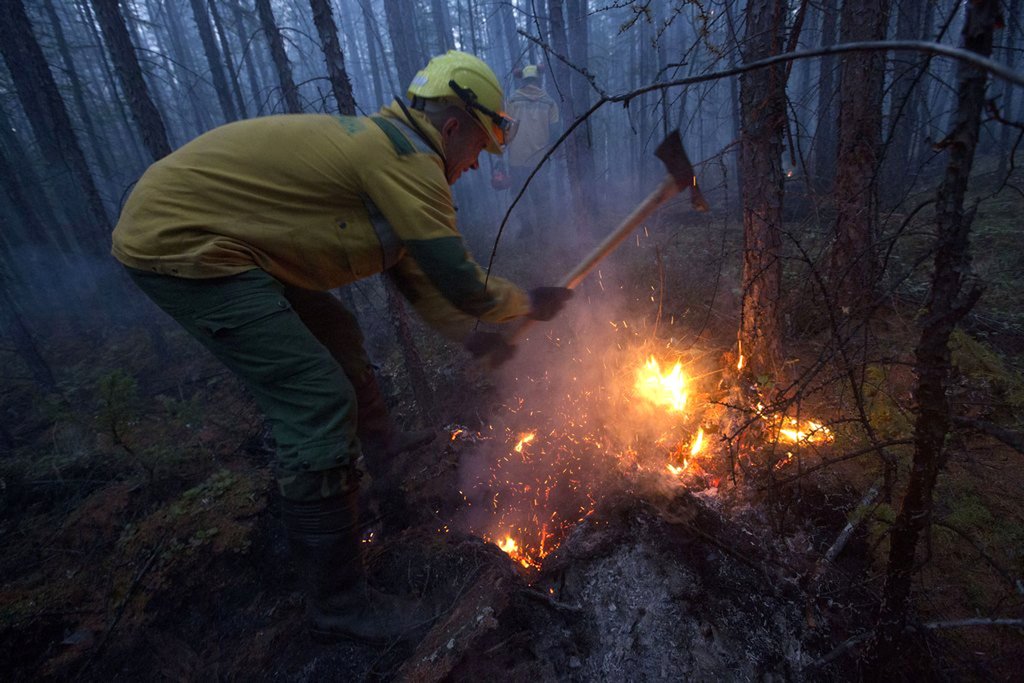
508,28
442,25
24,344
184,67
372,47
904,139
824,167
945,306
24,181
280,57
119,46
18,198
408,58
854,266
213,59
48,117
1009,94
340,85
248,53
421,389
575,154
128,136
225,48
78,92
763,106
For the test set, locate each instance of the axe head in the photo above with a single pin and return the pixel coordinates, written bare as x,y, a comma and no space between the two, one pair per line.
678,165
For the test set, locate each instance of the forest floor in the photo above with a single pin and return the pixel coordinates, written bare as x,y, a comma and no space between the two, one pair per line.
141,539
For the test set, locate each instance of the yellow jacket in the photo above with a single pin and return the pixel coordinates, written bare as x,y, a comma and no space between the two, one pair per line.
536,113
318,202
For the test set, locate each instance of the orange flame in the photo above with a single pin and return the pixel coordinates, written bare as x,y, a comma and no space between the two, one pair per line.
662,389
808,431
697,443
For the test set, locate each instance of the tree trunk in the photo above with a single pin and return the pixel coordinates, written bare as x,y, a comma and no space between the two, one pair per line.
421,390
762,101
325,27
39,97
247,55
854,266
26,219
24,180
280,57
508,29
119,46
578,32
213,59
1009,92
442,25
945,306
100,150
184,68
824,167
403,41
24,345
225,48
376,62
574,155
904,139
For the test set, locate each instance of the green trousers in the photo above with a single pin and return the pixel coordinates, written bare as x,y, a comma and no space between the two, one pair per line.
299,352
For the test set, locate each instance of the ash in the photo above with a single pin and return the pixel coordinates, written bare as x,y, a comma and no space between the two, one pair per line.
646,588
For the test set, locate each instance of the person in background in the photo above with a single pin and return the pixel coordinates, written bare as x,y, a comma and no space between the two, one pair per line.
240,234
538,118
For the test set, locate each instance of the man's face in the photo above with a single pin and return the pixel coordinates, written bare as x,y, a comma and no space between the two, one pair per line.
463,141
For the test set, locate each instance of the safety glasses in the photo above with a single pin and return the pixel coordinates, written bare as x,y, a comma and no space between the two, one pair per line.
503,127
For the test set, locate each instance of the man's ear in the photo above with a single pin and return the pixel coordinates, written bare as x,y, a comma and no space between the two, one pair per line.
450,127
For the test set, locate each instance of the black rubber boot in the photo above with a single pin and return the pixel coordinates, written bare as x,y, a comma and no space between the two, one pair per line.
325,541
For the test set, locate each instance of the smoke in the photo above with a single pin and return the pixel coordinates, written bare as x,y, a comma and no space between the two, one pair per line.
572,429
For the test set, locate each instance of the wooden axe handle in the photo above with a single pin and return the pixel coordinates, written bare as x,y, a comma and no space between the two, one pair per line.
668,189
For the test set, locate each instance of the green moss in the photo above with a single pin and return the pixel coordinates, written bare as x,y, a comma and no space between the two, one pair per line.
981,365
886,416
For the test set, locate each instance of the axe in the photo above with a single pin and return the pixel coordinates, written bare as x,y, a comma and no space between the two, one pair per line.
680,176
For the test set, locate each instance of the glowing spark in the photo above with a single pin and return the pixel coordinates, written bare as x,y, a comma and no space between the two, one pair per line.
525,439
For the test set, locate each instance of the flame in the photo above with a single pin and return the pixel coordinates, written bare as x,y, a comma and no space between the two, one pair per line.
807,431
548,463
697,443
662,389
509,545
511,548
739,363
524,439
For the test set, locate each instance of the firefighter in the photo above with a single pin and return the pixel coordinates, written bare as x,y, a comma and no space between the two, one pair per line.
239,235
537,115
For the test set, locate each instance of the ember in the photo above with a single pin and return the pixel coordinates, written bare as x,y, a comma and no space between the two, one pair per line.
550,465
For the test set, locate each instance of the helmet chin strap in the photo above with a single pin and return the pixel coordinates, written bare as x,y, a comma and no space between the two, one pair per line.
426,138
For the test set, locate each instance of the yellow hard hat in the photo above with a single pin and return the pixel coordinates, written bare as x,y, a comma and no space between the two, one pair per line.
531,71
461,79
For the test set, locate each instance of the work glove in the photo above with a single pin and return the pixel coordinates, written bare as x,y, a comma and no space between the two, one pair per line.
546,302
490,345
